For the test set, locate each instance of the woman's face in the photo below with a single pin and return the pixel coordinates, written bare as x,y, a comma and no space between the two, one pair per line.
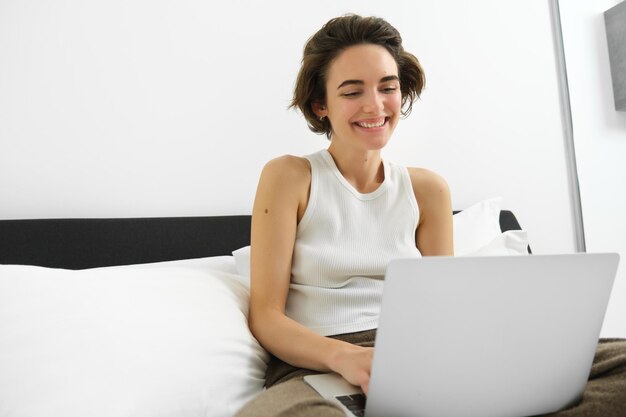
363,97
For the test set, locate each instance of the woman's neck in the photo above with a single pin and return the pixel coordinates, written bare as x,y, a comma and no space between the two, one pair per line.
363,169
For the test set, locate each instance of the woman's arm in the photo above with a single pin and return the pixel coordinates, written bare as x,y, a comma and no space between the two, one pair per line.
434,231
280,202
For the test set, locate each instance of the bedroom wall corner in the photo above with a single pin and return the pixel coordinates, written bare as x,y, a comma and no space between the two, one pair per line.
599,133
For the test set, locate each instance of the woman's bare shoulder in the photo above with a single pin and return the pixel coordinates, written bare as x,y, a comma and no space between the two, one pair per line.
288,165
287,172
434,235
427,183
285,182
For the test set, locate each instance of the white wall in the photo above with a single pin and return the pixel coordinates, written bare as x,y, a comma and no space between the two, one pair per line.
159,108
600,140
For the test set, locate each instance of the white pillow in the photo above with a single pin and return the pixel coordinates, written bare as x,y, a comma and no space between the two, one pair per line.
511,242
242,260
476,226
164,339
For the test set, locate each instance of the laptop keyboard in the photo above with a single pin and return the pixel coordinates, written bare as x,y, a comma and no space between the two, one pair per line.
354,403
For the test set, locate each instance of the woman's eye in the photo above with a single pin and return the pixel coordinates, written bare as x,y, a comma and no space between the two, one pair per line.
351,94
389,89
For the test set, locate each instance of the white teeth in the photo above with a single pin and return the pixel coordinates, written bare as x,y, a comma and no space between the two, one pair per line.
370,125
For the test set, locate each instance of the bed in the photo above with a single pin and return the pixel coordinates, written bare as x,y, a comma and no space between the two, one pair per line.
148,316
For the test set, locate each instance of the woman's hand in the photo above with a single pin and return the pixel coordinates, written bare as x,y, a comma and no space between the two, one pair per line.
354,364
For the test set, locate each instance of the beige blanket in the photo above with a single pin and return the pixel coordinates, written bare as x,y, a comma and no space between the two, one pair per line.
605,395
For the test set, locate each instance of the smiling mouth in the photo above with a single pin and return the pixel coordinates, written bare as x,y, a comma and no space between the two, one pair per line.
371,124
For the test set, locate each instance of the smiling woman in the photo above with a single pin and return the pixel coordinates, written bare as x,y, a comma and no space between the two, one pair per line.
325,226
364,109
329,42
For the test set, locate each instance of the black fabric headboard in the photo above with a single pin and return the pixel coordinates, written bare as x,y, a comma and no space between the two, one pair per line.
90,243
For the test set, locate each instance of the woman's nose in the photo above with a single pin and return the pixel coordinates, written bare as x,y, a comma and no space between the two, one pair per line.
373,103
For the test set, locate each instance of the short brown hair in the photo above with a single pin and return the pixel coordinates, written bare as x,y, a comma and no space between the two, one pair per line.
334,37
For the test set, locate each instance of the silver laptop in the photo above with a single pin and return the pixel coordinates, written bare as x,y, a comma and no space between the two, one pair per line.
482,336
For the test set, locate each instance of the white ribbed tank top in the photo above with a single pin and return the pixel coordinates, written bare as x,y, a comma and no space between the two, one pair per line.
344,242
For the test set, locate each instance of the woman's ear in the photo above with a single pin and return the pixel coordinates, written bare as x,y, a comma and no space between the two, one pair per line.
319,109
